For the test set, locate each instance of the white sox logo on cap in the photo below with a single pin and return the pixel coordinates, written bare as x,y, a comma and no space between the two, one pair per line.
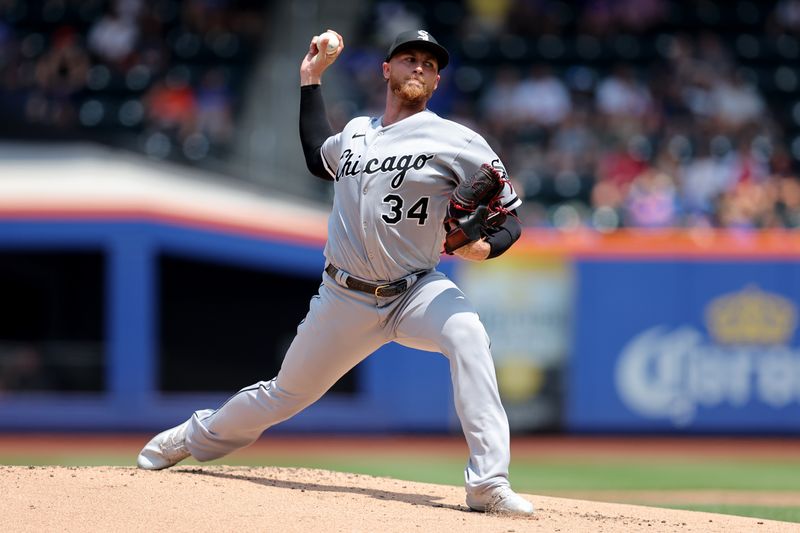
419,38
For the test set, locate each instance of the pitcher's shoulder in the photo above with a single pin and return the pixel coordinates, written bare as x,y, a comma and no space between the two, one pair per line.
359,123
455,129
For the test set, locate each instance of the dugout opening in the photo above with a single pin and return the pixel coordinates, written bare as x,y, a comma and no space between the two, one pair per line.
52,321
223,327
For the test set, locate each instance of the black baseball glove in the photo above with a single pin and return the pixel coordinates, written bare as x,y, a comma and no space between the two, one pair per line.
474,208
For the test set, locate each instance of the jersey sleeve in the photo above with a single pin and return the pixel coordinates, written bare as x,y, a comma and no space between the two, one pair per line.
477,152
330,151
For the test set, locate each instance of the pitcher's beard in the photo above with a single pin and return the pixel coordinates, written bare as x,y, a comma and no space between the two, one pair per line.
413,93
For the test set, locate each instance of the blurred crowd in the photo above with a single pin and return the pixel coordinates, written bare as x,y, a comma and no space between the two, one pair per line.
691,143
161,76
625,113
607,113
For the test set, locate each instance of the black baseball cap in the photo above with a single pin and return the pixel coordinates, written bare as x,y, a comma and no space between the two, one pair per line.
419,39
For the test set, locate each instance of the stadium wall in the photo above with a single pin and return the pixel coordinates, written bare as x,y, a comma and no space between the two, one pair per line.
640,331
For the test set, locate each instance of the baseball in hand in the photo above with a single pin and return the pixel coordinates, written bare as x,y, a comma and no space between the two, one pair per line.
333,42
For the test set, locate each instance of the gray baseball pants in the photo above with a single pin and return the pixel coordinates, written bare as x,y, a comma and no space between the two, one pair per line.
344,326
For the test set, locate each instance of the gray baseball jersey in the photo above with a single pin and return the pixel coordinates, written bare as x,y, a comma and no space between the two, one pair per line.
392,186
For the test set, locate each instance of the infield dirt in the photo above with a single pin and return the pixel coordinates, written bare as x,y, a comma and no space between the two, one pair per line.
222,498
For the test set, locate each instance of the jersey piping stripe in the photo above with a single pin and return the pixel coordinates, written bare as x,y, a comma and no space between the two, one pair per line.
248,389
315,297
510,202
254,387
327,165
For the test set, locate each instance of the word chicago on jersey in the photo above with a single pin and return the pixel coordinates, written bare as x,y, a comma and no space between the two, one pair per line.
403,163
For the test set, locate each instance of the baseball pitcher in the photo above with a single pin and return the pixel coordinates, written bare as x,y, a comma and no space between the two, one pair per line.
409,185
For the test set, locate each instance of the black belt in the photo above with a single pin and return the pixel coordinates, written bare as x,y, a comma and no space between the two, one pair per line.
384,290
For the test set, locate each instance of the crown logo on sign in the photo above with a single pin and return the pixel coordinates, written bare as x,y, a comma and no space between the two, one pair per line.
751,316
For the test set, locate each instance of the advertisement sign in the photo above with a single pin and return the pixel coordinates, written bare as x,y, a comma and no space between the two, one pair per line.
691,346
524,303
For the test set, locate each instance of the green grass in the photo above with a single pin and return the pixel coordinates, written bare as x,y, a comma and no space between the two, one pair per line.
631,475
69,460
527,475
538,477
535,476
785,514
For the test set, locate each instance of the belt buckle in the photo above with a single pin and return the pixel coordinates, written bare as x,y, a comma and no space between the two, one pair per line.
379,288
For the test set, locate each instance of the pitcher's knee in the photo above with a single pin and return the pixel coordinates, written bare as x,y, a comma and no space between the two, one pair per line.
464,330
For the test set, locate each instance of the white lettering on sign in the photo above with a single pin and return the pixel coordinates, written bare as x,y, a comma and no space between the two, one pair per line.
670,374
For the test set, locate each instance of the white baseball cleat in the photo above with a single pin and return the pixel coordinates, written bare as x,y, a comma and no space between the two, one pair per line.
503,500
166,449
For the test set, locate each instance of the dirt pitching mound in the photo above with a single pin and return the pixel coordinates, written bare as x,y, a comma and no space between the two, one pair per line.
214,499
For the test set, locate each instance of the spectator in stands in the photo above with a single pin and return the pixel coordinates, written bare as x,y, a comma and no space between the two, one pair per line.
703,180
463,111
622,95
621,162
652,201
747,206
607,198
488,16
114,36
606,17
497,104
692,65
735,102
574,143
696,93
541,98
639,15
699,90
199,16
214,107
171,105
152,51
711,54
109,67
60,74
787,205
129,9
786,16
533,18
392,17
